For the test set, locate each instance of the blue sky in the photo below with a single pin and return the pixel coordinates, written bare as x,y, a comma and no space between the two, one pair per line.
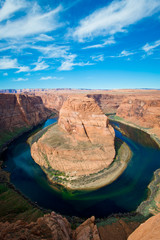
91,44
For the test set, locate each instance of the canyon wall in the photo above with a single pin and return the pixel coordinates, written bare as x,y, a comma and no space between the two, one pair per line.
18,113
52,101
143,111
149,230
80,145
109,103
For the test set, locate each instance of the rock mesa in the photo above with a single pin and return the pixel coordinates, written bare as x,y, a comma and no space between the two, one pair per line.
82,143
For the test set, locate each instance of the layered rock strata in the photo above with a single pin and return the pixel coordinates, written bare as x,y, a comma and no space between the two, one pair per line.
18,113
143,111
81,144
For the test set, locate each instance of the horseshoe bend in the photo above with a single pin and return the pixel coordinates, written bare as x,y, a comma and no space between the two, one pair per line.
80,147
84,151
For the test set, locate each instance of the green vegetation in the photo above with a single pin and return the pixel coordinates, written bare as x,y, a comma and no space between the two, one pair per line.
13,206
126,217
55,175
150,206
34,138
123,155
134,132
7,136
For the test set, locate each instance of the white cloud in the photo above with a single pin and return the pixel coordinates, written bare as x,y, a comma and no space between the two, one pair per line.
52,51
115,17
109,41
5,74
7,63
9,7
44,38
50,78
149,48
23,69
20,80
98,58
46,78
124,53
40,65
35,22
69,63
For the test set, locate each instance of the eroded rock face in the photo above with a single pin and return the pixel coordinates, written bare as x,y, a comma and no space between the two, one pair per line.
83,119
49,227
81,144
143,110
150,230
87,230
19,112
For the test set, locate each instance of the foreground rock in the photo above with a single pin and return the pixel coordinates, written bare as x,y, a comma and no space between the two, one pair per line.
150,230
49,227
19,113
81,144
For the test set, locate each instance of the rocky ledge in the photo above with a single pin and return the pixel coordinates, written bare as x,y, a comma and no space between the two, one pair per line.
81,144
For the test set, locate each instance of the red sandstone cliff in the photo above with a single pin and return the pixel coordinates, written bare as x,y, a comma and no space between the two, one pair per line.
150,230
83,119
19,113
81,144
143,111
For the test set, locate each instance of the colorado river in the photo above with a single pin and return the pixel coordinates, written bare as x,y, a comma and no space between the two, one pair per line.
123,195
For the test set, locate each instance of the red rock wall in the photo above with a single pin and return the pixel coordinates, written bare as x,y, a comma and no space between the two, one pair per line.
141,110
107,102
20,112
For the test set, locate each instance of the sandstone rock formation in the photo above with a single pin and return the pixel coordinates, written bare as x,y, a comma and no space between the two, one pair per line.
49,227
118,230
83,119
19,112
150,230
143,111
81,144
87,230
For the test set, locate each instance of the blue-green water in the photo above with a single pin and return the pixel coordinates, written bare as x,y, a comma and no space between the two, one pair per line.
123,195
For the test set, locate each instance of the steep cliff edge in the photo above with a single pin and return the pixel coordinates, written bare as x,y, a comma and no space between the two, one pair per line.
143,111
82,144
149,230
18,113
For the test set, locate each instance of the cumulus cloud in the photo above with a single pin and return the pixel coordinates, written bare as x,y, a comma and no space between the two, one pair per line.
115,17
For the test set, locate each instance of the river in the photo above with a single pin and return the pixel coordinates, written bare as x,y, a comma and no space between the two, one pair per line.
123,195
